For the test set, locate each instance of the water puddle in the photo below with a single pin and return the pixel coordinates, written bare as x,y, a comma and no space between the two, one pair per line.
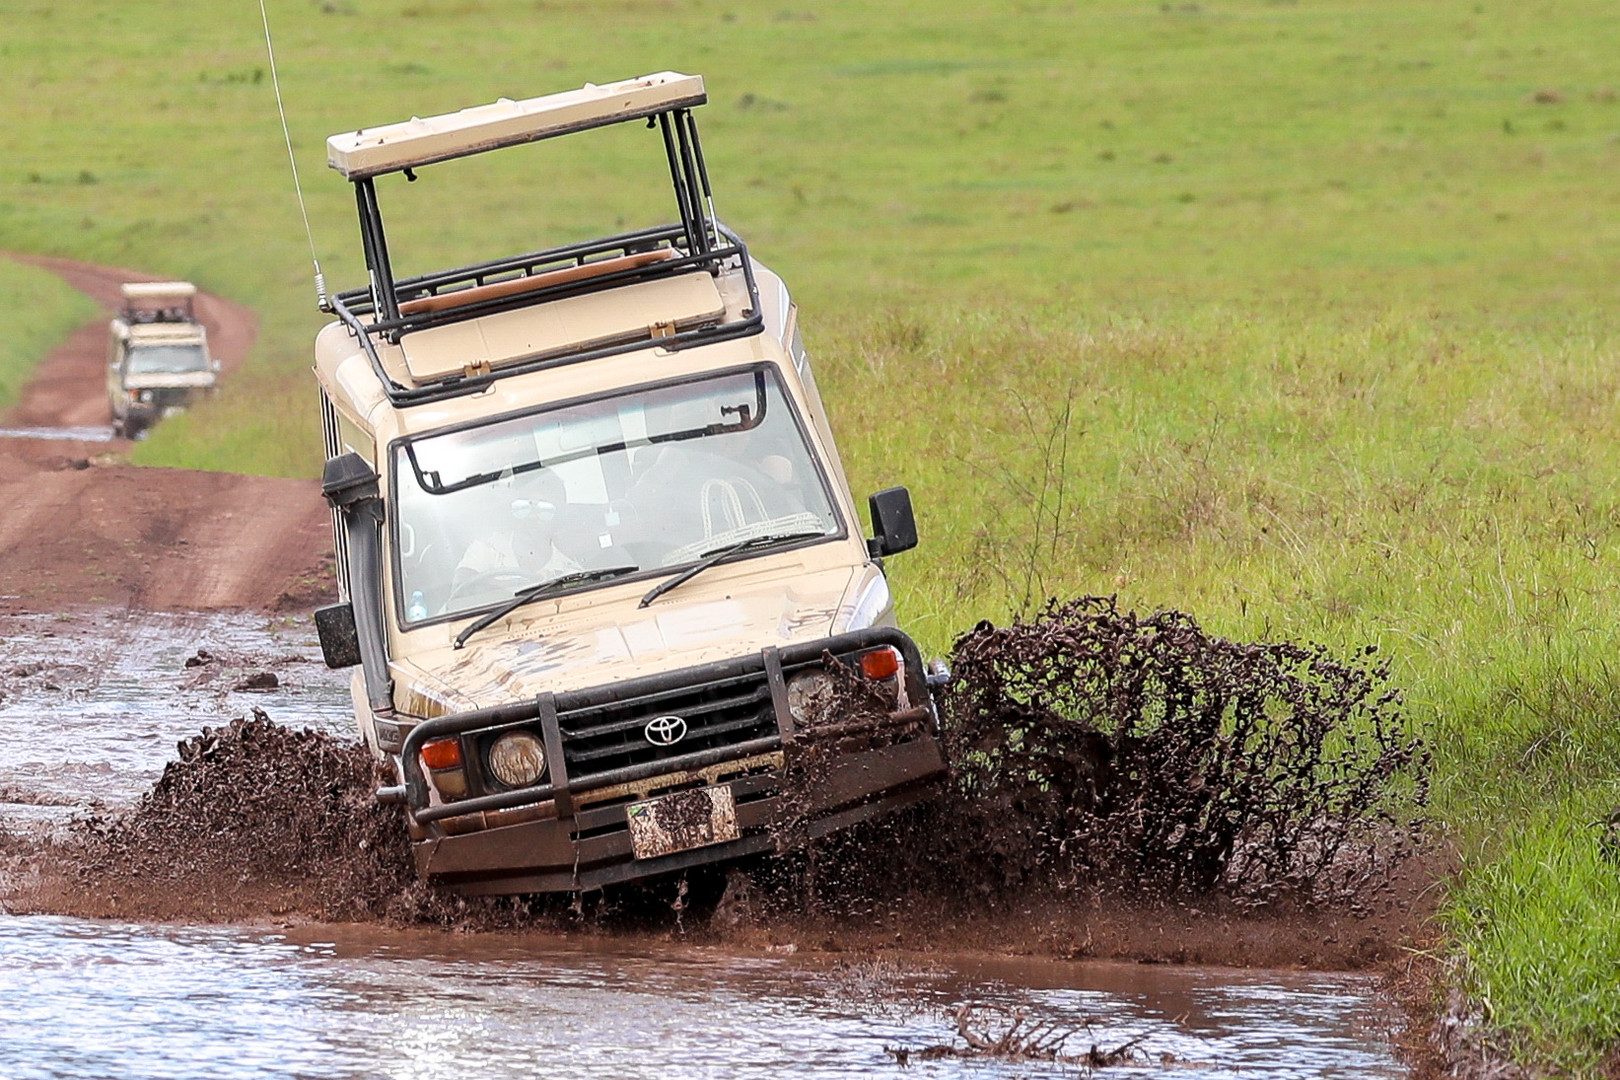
229,1002
86,433
91,708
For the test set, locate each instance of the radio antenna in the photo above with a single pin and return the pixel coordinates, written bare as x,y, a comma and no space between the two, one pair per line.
320,279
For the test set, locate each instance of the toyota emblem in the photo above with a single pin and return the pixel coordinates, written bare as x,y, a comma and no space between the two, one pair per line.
665,730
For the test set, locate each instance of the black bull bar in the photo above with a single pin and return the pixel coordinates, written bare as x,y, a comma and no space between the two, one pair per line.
776,664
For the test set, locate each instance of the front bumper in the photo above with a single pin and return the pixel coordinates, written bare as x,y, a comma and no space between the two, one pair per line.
571,831
139,413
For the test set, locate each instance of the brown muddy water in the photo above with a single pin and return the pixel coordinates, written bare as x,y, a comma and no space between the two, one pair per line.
93,704
106,999
91,708
87,433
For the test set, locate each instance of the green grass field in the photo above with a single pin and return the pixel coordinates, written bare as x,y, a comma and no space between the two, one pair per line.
38,310
1293,315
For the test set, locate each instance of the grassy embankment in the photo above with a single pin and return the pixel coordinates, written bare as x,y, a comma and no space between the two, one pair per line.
1294,316
39,311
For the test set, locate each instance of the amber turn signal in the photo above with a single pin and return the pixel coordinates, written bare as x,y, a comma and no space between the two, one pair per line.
443,754
880,663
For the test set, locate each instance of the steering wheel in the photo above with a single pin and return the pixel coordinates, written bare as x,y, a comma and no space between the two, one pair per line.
502,583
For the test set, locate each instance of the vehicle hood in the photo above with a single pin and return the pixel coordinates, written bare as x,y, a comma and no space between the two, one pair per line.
566,645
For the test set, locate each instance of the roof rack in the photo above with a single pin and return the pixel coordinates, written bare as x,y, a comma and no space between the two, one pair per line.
388,309
158,301
357,308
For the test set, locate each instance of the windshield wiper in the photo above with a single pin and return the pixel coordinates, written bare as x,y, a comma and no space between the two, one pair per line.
535,592
720,555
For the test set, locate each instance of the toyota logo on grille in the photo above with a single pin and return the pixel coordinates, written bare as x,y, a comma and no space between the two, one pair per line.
665,730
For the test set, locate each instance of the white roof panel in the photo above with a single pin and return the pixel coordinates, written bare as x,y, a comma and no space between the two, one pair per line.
422,141
157,290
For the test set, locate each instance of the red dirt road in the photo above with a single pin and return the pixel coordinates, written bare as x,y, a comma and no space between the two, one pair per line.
70,388
78,526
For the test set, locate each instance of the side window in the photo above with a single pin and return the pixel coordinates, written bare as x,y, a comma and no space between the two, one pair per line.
796,347
350,437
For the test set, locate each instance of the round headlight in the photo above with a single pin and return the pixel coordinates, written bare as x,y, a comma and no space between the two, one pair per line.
517,759
809,695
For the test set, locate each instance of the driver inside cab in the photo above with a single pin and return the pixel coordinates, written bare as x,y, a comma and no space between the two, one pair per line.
521,542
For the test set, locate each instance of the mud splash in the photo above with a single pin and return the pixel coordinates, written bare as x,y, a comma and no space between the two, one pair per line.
1120,767
253,817
1010,1034
1097,747
1112,773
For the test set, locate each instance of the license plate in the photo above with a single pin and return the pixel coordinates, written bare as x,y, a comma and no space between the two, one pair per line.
681,821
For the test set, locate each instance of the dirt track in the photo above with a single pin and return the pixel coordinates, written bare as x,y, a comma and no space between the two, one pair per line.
82,527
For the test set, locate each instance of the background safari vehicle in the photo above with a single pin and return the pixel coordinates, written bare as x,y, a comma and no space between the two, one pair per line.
600,567
157,355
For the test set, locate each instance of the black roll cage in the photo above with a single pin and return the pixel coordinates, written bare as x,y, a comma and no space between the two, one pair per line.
747,421
696,241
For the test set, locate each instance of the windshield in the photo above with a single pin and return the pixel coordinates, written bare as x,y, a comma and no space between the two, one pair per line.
167,359
651,478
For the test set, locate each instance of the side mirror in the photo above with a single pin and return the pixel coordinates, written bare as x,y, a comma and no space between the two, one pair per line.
893,522
340,639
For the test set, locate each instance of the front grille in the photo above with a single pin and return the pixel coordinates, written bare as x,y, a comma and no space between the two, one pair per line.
719,713
171,395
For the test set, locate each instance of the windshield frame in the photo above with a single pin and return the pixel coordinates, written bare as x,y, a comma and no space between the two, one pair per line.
437,486
399,458
135,348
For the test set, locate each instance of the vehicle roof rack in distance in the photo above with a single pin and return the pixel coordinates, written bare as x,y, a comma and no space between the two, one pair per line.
423,141
158,290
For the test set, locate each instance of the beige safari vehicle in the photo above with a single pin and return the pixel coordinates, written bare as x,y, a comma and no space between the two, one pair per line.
601,573
157,355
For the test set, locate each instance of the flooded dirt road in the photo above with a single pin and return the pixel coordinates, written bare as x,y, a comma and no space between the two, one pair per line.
92,704
101,999
118,641
92,708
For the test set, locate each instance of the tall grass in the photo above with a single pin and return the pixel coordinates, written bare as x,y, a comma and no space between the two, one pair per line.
1449,496
1370,480
39,311
1541,929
